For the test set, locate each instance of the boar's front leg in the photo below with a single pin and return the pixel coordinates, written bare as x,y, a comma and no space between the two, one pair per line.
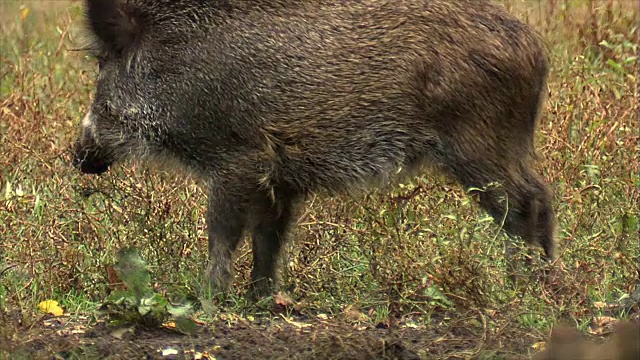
226,221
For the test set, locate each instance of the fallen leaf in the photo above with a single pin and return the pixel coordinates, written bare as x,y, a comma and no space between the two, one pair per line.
600,304
169,352
205,355
282,299
170,325
539,346
185,325
352,313
54,322
411,325
208,306
51,307
299,325
372,313
119,333
112,277
602,325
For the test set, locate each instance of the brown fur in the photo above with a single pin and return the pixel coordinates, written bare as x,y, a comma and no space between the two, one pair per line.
568,344
269,101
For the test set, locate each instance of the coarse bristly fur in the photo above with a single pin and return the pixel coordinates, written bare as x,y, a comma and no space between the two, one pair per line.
269,101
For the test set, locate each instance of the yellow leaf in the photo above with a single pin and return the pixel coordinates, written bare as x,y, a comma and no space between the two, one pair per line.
51,307
539,346
24,12
170,325
206,355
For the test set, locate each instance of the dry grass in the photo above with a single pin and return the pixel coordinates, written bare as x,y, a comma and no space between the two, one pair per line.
423,254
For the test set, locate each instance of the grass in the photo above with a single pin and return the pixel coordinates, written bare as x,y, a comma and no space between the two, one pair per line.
422,254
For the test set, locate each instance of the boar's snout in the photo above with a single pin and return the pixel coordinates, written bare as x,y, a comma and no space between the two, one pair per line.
88,156
88,159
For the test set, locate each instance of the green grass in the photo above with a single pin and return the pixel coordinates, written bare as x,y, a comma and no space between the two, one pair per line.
407,253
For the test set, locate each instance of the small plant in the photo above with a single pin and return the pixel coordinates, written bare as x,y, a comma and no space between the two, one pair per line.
138,303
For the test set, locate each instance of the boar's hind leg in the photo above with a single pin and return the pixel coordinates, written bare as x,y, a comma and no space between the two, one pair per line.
528,201
541,214
273,216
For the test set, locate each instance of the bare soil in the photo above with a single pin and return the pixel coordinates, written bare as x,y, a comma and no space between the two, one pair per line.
89,338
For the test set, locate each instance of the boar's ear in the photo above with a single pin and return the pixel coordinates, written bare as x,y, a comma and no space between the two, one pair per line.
114,22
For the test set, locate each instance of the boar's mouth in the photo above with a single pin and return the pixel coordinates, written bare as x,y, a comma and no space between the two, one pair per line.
89,160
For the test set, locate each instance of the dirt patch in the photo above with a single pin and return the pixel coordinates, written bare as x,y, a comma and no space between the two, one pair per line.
73,338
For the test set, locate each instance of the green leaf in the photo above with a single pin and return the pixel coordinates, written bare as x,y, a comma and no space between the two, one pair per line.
147,304
132,269
185,325
208,306
121,298
630,59
437,296
615,65
180,310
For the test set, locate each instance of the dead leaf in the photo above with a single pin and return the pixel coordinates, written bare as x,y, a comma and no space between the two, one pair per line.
602,325
120,333
206,355
539,346
113,279
299,325
411,324
600,304
372,313
354,314
283,300
170,325
169,352
199,322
